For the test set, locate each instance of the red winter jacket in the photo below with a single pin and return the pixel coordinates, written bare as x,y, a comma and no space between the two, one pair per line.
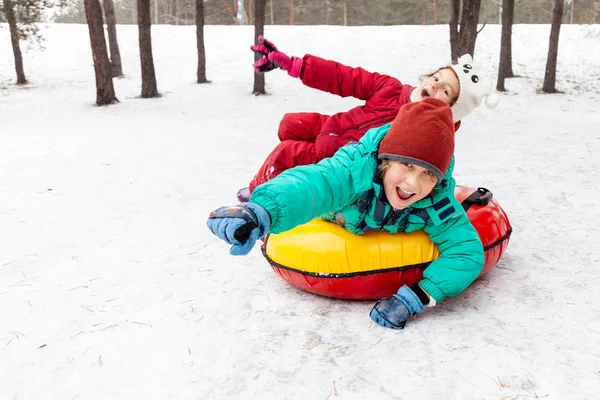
384,95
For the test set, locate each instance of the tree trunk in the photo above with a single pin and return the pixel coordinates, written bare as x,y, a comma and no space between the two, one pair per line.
201,73
292,11
14,39
454,16
259,29
345,12
435,12
324,12
468,27
105,92
174,18
505,64
271,12
113,44
145,38
550,75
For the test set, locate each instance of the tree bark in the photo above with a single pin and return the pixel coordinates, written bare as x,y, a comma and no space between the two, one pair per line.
259,29
468,27
345,12
549,85
174,18
505,64
145,39
201,73
14,39
113,44
454,16
105,92
292,11
271,12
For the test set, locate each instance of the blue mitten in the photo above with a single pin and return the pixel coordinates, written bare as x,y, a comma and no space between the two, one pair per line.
393,312
240,226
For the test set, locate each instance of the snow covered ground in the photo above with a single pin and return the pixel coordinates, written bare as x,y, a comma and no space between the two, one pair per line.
111,286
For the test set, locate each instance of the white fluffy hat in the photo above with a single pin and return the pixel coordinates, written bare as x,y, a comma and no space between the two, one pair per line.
475,85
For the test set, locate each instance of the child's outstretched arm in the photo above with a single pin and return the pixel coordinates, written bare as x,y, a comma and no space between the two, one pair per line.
321,74
339,79
295,197
461,257
460,262
303,193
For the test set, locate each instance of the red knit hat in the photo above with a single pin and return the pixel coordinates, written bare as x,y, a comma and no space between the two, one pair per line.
421,134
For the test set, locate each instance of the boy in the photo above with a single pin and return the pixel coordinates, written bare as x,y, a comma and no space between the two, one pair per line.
398,178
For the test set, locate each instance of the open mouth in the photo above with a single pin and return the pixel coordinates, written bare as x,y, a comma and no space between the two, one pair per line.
425,93
403,194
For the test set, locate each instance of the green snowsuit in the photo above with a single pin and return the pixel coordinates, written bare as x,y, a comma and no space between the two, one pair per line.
348,186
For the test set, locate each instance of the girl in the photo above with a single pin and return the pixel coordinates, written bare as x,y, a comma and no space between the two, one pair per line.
397,178
307,138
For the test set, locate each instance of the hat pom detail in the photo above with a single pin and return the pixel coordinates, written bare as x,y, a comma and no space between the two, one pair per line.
492,100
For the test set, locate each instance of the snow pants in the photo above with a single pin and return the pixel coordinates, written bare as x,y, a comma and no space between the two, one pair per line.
302,142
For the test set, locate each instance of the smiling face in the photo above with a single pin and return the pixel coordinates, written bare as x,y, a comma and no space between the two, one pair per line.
405,184
442,85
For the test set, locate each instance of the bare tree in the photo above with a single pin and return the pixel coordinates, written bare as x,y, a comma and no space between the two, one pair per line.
105,92
259,29
9,11
147,61
201,74
468,26
549,85
505,64
113,44
454,17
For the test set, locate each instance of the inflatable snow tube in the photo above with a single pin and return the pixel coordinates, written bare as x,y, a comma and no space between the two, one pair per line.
325,259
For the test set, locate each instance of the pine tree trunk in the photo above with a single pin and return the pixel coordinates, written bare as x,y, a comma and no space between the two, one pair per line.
505,64
105,92
259,29
292,7
468,27
454,16
550,75
14,39
145,38
201,74
113,44
345,12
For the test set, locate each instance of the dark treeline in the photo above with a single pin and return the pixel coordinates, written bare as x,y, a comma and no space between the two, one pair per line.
339,12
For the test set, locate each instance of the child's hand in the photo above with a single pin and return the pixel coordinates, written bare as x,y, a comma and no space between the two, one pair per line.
393,312
263,48
273,58
240,226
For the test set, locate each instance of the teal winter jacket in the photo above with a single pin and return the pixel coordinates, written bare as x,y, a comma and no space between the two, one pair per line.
346,189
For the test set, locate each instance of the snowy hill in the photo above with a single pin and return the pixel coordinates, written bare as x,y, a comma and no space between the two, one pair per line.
111,286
